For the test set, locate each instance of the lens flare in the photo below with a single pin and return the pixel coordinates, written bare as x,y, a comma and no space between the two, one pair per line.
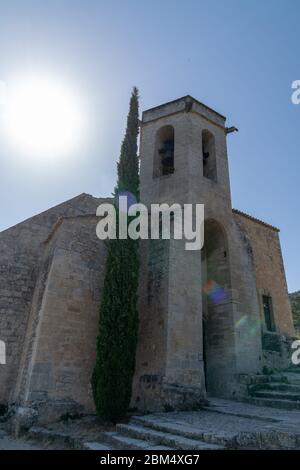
248,324
215,292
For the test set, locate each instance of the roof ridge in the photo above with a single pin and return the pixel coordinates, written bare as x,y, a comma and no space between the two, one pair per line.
254,219
182,98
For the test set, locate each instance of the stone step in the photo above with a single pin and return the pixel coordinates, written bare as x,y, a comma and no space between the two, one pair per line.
218,437
294,369
263,378
277,395
278,386
96,446
49,436
274,403
293,378
286,387
123,442
279,377
63,440
165,438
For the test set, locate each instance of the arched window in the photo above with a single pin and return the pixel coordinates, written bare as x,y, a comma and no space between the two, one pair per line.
164,151
209,156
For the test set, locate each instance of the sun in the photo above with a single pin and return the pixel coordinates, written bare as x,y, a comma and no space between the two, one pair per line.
43,118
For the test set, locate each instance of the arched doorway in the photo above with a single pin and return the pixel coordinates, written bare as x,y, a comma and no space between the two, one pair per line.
218,340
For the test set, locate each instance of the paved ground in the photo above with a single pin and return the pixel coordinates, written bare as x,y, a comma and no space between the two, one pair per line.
7,443
290,419
225,422
231,417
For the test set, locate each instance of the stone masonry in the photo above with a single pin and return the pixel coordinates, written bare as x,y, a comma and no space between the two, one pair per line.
190,345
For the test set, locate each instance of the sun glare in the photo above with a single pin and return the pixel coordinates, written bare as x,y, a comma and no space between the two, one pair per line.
42,118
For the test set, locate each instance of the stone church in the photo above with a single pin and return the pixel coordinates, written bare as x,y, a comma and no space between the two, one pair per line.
208,318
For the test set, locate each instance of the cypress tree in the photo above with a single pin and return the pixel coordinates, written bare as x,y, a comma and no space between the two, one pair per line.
118,321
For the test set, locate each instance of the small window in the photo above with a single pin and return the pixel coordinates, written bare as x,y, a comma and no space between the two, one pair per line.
268,313
209,156
164,154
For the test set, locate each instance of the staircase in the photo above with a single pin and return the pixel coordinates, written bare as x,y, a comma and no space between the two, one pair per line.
145,433
223,424
278,391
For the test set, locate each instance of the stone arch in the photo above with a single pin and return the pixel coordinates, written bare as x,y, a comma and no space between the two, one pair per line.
216,306
164,151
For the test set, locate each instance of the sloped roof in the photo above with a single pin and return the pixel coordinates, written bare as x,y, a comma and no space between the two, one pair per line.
254,219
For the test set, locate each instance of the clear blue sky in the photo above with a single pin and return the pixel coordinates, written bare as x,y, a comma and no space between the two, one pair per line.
237,56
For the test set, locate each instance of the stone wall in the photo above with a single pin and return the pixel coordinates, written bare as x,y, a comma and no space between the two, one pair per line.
153,325
61,338
270,281
21,251
269,268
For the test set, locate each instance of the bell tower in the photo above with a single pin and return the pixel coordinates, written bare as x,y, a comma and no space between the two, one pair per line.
183,153
184,160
